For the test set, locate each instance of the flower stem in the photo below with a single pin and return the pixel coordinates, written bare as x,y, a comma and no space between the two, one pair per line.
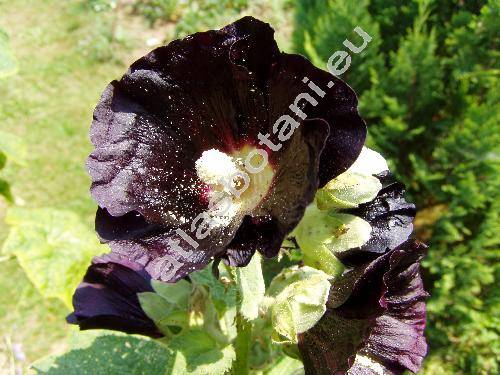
242,345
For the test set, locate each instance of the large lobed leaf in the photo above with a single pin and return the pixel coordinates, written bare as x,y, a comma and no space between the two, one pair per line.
109,355
53,247
199,354
192,353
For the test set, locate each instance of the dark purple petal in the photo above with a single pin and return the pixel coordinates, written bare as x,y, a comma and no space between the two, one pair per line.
132,237
178,101
295,182
382,318
329,346
254,233
107,297
391,218
160,250
338,108
397,340
360,292
165,256
130,225
136,161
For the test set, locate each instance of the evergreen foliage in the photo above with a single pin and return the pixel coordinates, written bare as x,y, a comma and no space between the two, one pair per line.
428,86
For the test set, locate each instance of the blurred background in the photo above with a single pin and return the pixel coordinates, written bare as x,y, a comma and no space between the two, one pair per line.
428,89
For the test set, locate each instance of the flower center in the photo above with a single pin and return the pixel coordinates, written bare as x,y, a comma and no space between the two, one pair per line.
238,182
214,166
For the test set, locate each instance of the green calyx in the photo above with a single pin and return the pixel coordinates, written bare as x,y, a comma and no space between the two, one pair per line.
325,230
321,234
355,186
297,301
348,190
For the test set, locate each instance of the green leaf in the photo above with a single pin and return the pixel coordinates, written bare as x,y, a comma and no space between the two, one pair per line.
176,293
167,306
223,296
53,247
300,296
288,366
13,147
200,355
155,306
348,190
165,314
251,287
112,355
8,63
177,318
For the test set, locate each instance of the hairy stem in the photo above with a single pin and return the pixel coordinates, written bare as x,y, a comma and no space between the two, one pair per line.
242,345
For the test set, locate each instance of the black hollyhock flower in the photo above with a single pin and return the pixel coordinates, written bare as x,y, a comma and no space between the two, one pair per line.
374,321
107,297
213,146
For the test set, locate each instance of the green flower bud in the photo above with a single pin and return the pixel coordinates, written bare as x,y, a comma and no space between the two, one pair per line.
369,162
300,296
320,234
348,190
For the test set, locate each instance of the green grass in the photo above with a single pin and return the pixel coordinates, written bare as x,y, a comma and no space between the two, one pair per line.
67,53
66,59
65,62
49,103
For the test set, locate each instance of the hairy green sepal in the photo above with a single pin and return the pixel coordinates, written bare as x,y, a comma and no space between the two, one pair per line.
348,190
321,234
297,301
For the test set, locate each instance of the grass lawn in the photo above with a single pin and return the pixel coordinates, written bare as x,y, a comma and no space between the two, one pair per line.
68,51
64,51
